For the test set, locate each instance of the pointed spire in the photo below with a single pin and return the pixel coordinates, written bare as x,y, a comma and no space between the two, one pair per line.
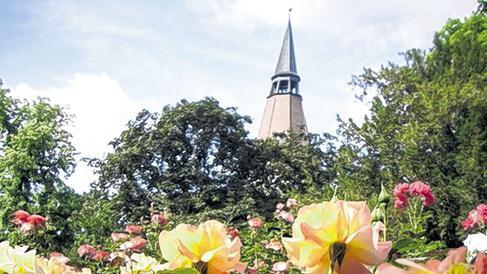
287,59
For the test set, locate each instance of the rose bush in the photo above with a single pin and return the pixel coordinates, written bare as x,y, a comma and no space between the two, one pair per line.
336,236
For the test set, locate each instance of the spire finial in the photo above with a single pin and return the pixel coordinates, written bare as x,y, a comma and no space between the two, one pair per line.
289,14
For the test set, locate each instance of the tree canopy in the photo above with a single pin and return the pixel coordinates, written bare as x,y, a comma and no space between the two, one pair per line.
35,156
197,157
428,121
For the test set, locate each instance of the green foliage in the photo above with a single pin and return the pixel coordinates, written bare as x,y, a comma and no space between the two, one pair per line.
92,223
254,242
195,159
409,231
428,121
35,155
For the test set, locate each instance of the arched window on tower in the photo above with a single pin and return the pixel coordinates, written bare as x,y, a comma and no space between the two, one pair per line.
283,86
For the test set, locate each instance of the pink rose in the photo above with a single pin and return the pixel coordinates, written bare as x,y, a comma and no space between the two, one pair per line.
286,216
133,229
86,251
255,222
280,267
290,203
159,219
135,244
117,237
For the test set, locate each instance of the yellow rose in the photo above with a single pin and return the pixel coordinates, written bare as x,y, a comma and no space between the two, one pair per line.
207,248
335,237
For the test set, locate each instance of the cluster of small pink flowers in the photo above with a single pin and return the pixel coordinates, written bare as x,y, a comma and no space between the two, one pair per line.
282,210
27,222
89,252
403,191
476,217
135,244
132,241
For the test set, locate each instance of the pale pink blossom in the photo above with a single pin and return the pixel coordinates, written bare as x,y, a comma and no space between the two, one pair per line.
159,219
286,216
86,251
59,257
274,245
255,222
133,229
135,244
118,236
280,206
280,267
290,203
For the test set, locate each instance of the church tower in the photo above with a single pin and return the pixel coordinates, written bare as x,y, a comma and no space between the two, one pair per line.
284,111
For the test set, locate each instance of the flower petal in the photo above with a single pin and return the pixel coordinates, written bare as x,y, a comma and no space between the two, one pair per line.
304,253
361,246
386,268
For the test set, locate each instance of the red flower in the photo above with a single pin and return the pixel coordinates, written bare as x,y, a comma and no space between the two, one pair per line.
20,217
419,188
100,255
428,199
476,216
36,220
400,195
482,212
159,219
86,251
468,223
135,244
403,191
28,222
133,229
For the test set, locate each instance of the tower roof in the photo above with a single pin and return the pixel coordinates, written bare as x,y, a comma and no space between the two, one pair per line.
287,59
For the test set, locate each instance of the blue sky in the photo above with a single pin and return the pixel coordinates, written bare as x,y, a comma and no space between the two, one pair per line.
107,60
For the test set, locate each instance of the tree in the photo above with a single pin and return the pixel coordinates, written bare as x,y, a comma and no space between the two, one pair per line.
196,158
428,121
35,154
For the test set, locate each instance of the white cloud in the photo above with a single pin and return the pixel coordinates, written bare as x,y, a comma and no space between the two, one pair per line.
101,109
